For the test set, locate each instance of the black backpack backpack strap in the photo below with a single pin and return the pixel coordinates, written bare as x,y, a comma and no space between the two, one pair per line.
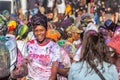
98,72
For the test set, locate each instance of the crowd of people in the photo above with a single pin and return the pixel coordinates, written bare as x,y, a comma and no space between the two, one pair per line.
60,41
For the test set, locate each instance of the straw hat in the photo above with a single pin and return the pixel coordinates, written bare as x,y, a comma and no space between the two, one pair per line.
73,28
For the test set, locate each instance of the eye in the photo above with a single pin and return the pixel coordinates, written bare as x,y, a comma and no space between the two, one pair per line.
36,30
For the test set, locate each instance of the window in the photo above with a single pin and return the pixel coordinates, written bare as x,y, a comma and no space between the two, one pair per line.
5,5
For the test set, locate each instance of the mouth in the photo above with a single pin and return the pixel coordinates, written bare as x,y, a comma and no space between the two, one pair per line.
40,37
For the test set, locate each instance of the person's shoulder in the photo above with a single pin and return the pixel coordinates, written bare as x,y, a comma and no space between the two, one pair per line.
31,41
109,66
76,65
10,40
53,43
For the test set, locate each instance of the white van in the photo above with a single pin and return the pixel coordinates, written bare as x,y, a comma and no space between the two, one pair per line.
13,5
10,5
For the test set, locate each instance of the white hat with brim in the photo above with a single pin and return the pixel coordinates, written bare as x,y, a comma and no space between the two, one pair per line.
91,26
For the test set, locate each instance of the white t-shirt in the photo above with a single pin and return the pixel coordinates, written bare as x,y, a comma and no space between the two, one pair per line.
50,3
42,57
61,7
77,42
77,54
22,47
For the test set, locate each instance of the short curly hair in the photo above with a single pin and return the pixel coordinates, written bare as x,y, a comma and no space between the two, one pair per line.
39,19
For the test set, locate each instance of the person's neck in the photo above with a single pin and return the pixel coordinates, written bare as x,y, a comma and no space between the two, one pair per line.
43,42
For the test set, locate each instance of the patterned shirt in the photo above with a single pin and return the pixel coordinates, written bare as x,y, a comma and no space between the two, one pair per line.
42,57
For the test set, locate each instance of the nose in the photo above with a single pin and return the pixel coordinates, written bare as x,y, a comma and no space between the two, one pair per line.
38,32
